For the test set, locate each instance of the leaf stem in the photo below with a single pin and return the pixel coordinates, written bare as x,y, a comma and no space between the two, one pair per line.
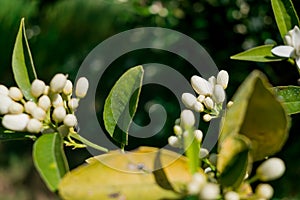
87,142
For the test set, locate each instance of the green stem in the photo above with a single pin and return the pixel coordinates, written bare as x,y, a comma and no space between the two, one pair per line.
253,179
87,142
192,147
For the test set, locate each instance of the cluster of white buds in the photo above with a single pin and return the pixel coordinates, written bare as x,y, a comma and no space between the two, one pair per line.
53,106
211,95
181,128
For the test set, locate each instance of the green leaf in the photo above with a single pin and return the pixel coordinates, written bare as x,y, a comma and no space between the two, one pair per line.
117,175
290,95
257,114
121,104
19,66
49,159
258,54
233,160
285,15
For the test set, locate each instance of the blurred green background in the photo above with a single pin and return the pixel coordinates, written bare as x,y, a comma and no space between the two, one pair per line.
62,33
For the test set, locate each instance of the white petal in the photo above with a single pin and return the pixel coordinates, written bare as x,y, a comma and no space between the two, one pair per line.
296,38
298,62
283,51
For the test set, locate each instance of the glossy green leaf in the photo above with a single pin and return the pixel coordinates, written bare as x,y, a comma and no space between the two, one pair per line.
121,104
49,159
19,66
258,54
257,114
285,15
233,160
118,175
290,96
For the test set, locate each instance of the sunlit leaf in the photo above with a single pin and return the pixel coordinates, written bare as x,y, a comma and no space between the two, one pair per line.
285,15
119,175
49,159
290,96
233,160
19,66
121,104
257,114
257,54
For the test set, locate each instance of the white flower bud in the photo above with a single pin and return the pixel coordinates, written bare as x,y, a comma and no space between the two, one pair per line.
38,113
58,83
37,88
63,130
201,86
207,170
223,78
203,153
229,104
219,94
199,178
68,88
46,90
198,107
44,102
70,120
82,87
5,102
209,103
177,121
177,130
188,100
73,103
264,191
201,98
16,122
210,191
15,93
231,195
193,188
174,141
187,119
198,135
30,107
207,117
3,90
270,169
34,126
57,100
59,114
212,80
15,108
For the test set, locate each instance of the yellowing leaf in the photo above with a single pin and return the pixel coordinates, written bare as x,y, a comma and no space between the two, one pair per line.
257,114
117,175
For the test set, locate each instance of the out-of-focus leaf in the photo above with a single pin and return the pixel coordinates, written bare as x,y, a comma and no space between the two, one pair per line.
285,15
117,175
19,66
290,95
258,54
233,160
121,104
11,135
257,114
49,159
